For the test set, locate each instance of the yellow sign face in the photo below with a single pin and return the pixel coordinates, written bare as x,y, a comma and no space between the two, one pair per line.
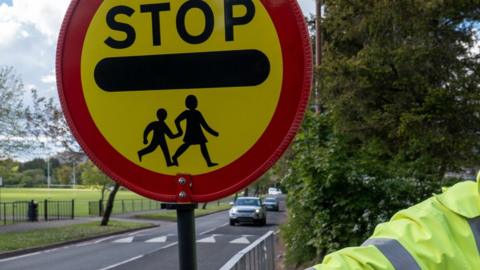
182,86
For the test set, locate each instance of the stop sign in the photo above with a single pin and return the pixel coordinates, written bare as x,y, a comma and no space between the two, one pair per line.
187,100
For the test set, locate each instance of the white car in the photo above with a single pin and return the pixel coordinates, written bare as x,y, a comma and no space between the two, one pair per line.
248,209
274,191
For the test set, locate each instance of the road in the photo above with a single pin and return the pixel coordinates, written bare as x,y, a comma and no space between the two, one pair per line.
155,248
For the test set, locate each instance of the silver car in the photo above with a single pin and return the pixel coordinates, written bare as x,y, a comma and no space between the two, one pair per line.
271,203
248,209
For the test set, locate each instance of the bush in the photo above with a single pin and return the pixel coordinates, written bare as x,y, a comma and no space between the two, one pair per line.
337,195
32,178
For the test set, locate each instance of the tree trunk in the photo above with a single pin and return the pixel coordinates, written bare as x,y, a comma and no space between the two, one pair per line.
102,199
108,210
104,188
257,190
204,206
245,192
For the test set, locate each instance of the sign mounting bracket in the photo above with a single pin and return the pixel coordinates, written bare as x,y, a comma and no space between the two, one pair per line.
184,185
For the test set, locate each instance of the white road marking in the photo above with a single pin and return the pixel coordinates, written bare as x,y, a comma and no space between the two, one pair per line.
211,230
161,239
169,245
19,257
105,239
120,263
124,240
210,239
50,250
84,244
241,240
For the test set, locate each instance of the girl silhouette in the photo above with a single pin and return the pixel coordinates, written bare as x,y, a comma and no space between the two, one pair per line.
193,133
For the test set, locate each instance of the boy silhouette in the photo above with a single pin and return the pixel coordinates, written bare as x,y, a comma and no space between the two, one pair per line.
193,133
160,129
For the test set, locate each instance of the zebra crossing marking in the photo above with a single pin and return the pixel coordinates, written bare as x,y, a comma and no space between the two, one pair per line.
161,239
124,240
241,240
208,240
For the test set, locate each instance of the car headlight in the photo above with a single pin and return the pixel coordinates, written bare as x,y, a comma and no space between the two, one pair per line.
257,211
233,210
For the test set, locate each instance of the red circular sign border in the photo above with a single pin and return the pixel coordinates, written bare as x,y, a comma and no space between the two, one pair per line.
297,76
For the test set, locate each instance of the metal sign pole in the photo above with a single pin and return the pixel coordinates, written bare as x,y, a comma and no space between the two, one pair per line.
186,237
187,248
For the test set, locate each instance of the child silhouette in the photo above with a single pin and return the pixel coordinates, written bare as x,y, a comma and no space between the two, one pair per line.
193,133
160,129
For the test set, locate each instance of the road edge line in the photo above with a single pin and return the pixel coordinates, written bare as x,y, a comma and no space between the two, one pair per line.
122,262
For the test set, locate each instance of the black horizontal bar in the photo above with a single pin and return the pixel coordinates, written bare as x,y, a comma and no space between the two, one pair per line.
182,71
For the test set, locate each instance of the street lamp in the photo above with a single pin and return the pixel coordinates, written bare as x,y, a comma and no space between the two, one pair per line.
1,185
48,173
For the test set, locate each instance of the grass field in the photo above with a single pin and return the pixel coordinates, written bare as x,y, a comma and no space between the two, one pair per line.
81,196
42,237
26,194
172,215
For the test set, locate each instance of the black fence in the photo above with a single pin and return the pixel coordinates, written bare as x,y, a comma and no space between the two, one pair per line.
57,210
24,211
96,208
13,212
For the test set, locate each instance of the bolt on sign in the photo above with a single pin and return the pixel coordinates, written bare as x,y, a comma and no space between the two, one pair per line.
211,91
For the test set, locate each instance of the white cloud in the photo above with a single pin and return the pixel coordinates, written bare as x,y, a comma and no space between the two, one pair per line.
44,15
49,78
8,32
28,34
24,34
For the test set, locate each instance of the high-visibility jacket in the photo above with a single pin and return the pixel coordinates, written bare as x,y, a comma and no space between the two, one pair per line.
442,232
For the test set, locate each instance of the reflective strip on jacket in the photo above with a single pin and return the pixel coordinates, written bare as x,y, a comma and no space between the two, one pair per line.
442,232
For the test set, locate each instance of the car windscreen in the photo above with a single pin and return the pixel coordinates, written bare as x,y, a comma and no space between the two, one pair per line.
270,200
247,202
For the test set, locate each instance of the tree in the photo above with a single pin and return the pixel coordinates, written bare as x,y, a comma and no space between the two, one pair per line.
63,174
36,163
92,176
32,178
401,106
109,208
12,124
9,171
401,75
47,119
267,180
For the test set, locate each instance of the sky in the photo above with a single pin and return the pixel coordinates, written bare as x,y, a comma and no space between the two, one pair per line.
28,36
